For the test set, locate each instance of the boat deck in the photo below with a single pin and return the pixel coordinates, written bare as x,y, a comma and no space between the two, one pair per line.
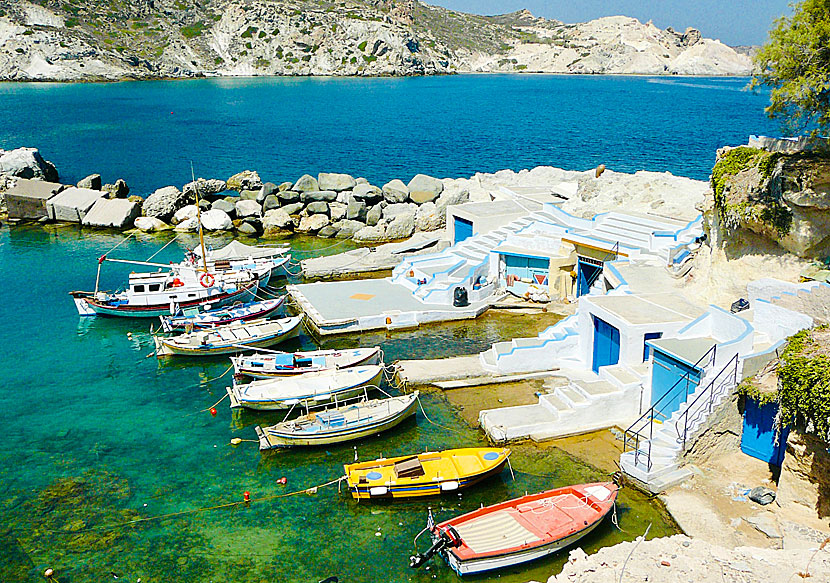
339,307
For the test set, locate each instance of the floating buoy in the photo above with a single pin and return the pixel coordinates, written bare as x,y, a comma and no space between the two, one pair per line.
129,334
48,573
282,481
213,411
388,320
246,496
236,441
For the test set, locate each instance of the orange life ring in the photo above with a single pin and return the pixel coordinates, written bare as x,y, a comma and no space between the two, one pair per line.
176,282
207,280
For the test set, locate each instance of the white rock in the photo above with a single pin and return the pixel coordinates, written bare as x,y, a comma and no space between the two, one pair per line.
184,213
216,220
248,208
150,224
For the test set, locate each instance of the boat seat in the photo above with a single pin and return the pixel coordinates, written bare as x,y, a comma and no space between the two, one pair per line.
409,468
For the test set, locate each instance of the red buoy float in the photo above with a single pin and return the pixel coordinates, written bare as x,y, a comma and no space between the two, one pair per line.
246,496
282,481
207,279
213,411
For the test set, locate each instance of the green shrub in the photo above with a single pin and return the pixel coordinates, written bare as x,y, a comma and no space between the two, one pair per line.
804,374
362,46
193,30
218,61
249,32
370,58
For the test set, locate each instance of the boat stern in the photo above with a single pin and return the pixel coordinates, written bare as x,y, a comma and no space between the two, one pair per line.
81,304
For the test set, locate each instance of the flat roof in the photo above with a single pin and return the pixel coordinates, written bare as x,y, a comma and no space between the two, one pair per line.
649,308
689,350
492,209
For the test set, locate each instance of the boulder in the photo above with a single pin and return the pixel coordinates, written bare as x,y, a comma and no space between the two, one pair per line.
373,215
428,218
225,206
344,196
318,195
335,182
267,189
184,213
306,183
361,180
277,219
245,180
347,228
312,223
393,210
248,208
370,234
356,210
71,205
450,197
285,186
318,208
204,188
293,209
93,182
164,203
401,227
150,224
251,227
112,213
395,191
117,190
248,194
27,163
135,198
271,202
337,211
328,231
423,188
204,204
288,196
216,220
368,193
187,226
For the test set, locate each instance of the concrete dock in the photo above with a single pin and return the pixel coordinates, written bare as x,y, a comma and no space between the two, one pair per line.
455,373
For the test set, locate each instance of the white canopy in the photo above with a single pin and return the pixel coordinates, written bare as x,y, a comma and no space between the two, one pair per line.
236,250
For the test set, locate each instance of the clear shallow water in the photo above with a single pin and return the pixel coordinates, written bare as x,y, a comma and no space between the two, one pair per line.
148,132
96,434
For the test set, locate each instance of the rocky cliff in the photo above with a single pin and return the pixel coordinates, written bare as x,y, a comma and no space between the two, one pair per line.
87,40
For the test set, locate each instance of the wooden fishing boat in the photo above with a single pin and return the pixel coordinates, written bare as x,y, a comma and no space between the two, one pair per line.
153,294
205,317
228,339
425,474
519,530
263,366
310,388
343,423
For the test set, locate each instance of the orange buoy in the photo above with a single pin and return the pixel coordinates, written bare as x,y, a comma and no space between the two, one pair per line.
213,411
246,496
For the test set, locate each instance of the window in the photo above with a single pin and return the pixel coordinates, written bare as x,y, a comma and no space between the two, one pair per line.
154,287
646,347
139,289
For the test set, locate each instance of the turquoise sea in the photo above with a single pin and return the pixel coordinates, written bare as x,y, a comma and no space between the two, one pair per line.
97,436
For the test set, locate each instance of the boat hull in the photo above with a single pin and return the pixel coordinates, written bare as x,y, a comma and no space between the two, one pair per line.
164,347
176,324
242,365
87,305
280,403
273,440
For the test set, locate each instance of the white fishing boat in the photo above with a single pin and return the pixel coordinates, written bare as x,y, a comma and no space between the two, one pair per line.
236,251
206,316
344,422
263,267
229,339
310,388
280,364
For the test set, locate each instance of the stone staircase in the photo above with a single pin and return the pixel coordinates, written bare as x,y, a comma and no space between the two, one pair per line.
555,347
656,458
586,402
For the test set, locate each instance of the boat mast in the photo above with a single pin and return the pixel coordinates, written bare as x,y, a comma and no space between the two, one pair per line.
199,218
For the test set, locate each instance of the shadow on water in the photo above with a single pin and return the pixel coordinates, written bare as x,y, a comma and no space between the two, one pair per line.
111,465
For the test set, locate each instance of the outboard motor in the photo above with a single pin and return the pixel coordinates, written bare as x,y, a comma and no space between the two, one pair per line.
459,297
446,539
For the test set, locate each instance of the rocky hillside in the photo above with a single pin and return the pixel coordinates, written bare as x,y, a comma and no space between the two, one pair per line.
70,40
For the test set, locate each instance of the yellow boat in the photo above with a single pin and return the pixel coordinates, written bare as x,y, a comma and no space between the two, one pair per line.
425,474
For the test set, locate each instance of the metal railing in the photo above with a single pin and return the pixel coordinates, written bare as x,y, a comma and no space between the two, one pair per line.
635,435
703,404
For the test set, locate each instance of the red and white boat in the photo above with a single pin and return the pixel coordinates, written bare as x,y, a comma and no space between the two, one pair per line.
519,530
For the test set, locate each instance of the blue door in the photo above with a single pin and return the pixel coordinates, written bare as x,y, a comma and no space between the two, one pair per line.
463,229
671,382
606,344
758,435
586,274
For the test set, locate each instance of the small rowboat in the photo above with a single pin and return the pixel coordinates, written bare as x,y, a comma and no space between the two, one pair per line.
228,339
263,366
305,389
425,474
519,530
340,424
219,316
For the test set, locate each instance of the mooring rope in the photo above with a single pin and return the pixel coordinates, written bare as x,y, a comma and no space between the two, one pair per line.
311,490
421,405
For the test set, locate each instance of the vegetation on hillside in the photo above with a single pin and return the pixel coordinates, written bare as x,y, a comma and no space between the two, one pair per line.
795,63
